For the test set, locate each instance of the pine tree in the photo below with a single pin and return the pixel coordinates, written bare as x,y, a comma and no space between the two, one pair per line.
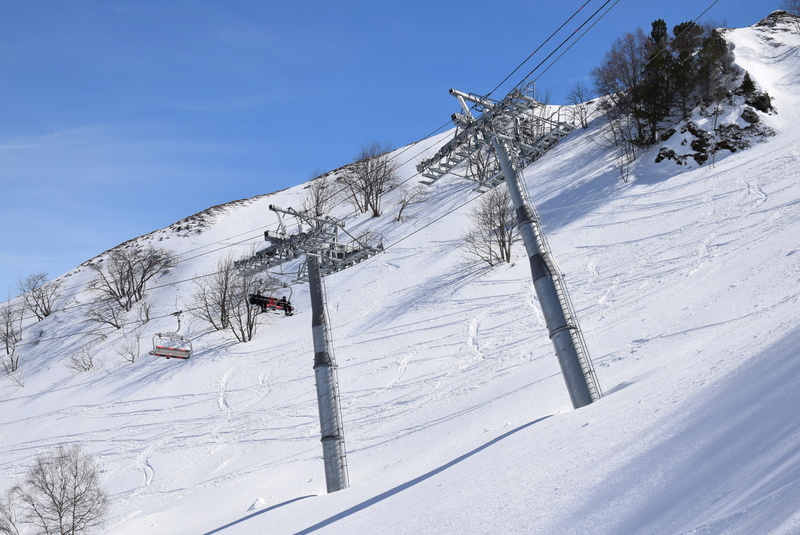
748,87
654,96
688,37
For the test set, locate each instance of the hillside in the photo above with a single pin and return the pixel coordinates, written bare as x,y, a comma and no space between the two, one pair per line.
686,280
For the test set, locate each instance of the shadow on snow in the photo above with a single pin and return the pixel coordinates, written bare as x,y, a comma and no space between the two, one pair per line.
404,486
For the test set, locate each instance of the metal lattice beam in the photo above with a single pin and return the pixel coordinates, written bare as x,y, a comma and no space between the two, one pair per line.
511,119
316,236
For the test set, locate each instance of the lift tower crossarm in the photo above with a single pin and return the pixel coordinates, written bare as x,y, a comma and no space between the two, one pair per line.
511,117
322,242
463,98
321,239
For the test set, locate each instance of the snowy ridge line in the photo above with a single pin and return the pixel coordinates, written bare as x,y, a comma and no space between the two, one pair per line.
404,149
259,229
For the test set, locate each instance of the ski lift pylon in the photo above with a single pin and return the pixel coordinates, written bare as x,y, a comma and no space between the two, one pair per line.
172,344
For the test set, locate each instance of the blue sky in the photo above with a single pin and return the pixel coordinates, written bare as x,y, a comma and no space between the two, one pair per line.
122,117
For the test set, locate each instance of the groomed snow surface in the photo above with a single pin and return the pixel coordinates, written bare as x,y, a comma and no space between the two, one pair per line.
456,417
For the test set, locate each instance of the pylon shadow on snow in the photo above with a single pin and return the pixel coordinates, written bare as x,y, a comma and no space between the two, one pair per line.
252,515
404,486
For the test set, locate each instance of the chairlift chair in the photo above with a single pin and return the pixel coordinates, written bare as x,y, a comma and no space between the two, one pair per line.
269,302
172,344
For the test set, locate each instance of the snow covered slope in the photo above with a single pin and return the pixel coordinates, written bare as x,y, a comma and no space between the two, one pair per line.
456,417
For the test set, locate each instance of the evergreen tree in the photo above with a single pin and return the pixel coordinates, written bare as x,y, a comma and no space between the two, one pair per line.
654,94
713,63
645,77
687,38
748,87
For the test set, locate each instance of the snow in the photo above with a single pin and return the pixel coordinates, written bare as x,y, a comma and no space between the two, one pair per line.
686,283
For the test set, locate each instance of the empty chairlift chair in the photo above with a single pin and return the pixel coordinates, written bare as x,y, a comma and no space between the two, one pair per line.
172,344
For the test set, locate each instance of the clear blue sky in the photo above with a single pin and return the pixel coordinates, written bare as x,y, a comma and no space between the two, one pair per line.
121,117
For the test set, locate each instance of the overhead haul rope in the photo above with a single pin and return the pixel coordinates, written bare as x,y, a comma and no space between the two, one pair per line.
570,37
334,194
512,73
407,148
661,50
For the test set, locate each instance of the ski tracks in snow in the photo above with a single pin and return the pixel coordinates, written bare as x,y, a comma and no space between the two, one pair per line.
472,338
148,473
755,189
222,399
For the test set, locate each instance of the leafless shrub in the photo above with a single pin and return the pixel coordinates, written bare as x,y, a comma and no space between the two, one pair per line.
494,228
39,294
15,376
223,300
318,197
578,97
129,348
412,196
370,177
82,360
61,494
621,134
10,334
123,276
369,238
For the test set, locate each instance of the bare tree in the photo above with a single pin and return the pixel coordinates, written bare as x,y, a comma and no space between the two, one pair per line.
10,334
482,165
211,301
82,360
319,195
494,228
243,318
223,300
412,196
9,521
368,178
793,7
122,278
106,311
143,308
39,294
578,97
61,493
620,72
